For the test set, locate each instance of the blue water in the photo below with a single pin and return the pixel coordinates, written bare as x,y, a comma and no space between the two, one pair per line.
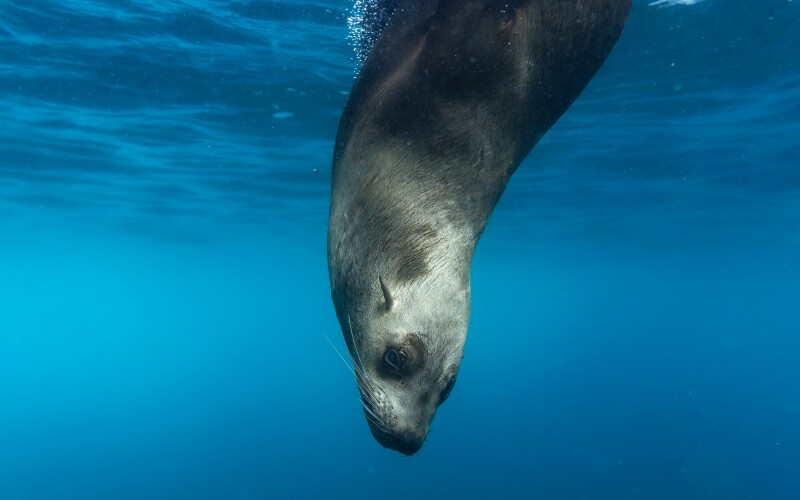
164,302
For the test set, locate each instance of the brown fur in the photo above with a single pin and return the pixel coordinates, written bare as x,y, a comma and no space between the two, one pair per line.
451,98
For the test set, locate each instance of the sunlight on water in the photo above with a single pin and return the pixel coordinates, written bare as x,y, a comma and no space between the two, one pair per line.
670,3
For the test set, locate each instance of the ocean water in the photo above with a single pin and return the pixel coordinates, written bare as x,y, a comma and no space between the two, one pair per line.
164,301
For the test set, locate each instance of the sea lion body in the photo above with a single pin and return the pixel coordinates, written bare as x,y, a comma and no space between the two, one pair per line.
450,100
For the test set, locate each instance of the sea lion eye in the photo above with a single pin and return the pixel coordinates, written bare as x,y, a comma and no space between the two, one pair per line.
395,359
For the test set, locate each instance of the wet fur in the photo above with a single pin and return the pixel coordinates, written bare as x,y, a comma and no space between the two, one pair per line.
452,97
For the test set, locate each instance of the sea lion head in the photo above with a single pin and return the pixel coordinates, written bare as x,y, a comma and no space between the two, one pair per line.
399,255
406,342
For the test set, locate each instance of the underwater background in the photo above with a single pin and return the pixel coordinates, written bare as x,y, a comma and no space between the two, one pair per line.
164,300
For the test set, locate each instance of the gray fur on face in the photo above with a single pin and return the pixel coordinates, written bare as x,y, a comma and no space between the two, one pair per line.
451,98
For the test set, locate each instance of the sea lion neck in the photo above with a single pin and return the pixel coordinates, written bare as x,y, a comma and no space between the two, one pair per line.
451,98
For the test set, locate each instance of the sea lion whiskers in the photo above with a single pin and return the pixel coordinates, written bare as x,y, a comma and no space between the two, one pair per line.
357,372
371,416
357,361
369,391
340,355
369,411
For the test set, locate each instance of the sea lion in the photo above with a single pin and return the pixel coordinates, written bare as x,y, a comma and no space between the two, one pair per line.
450,99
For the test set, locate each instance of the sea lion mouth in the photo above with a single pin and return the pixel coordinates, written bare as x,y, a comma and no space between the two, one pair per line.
390,433
407,442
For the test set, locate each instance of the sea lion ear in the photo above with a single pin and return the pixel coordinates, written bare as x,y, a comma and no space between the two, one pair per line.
387,295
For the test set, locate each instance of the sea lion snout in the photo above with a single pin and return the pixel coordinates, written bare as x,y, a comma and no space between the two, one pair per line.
406,441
